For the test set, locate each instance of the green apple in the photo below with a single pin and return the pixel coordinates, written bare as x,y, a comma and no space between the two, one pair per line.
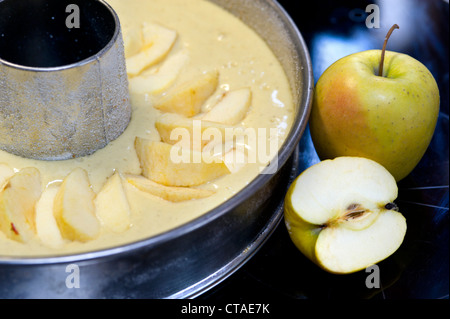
390,118
340,214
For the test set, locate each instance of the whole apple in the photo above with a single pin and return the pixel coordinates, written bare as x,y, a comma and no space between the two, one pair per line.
390,119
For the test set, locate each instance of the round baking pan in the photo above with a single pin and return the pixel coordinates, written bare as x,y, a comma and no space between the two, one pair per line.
190,259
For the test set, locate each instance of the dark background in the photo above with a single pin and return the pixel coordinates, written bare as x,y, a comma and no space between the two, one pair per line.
420,268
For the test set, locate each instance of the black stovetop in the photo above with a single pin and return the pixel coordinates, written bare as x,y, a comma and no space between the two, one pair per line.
420,268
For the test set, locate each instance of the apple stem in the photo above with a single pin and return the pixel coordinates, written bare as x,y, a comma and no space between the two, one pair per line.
383,52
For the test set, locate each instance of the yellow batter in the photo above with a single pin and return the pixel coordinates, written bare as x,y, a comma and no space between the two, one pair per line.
214,39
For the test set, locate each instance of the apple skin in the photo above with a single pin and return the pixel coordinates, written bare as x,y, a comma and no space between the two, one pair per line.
389,119
304,235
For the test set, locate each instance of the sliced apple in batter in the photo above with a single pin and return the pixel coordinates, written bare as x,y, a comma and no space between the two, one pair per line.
47,229
191,133
155,81
111,205
175,166
169,193
133,40
187,99
232,108
74,208
17,204
157,43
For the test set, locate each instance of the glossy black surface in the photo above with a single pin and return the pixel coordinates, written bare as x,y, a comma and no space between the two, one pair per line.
35,32
420,268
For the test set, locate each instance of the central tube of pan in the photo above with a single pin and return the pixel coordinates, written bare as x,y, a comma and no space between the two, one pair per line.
63,83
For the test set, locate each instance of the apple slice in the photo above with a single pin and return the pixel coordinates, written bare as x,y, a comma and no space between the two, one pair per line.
235,160
74,208
17,204
111,205
133,40
157,42
5,173
232,108
339,213
169,193
155,81
174,166
190,133
46,227
188,98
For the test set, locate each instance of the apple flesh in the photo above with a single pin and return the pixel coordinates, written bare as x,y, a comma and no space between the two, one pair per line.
187,98
389,119
157,41
133,40
158,164
232,108
339,213
74,208
46,227
5,173
154,81
169,193
18,197
111,205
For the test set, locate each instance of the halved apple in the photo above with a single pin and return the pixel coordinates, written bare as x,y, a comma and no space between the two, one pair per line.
169,193
17,204
74,208
175,166
340,214
111,205
232,108
187,99
157,42
46,227
155,81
